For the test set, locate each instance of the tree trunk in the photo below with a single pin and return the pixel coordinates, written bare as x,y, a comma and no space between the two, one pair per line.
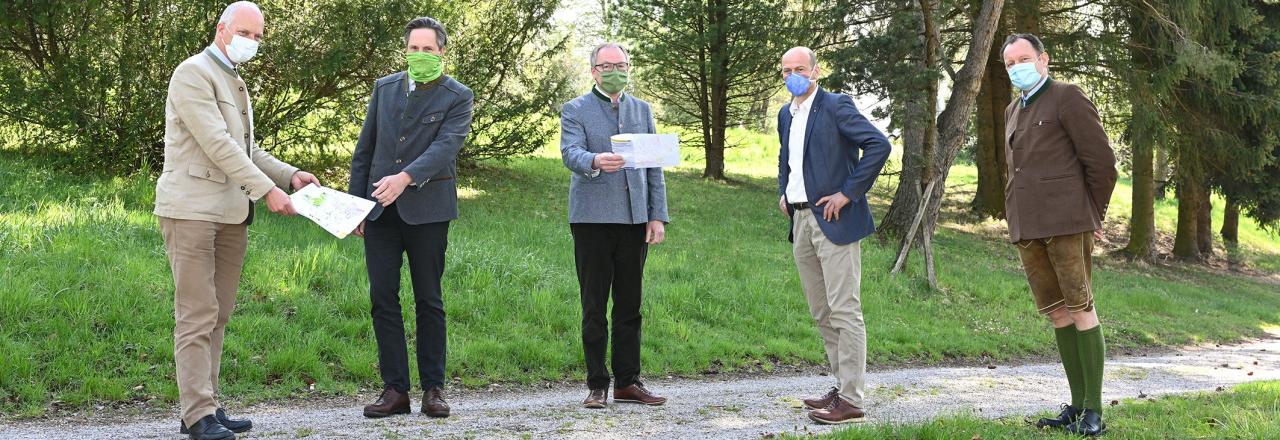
1184,242
989,147
918,140
1231,232
1142,223
954,120
1231,223
907,197
1142,132
1026,18
718,15
1162,172
1204,223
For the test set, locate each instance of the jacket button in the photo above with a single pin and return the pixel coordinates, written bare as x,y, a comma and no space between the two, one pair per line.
397,160
207,174
242,187
242,89
244,112
246,193
1017,170
401,138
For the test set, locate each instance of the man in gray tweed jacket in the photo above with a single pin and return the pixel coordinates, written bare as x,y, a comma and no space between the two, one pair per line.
614,214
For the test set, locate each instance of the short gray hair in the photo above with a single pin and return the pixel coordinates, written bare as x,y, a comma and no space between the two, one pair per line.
595,52
231,10
1031,38
442,38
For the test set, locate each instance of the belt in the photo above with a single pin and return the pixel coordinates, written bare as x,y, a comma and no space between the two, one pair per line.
799,206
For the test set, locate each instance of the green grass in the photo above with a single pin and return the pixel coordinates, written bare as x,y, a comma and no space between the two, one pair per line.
86,294
1248,411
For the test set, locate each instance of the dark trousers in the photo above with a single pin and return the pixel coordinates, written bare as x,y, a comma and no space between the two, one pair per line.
386,240
610,256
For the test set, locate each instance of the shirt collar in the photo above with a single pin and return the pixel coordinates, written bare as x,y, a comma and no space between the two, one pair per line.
595,90
221,57
805,104
1030,95
413,85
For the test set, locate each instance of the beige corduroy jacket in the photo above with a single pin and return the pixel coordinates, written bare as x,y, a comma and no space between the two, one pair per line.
213,170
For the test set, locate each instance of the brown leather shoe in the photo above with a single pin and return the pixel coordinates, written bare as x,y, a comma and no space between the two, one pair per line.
636,393
433,404
822,401
839,412
596,399
390,402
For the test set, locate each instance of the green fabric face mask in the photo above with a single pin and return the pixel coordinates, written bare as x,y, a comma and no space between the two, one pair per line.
613,82
423,66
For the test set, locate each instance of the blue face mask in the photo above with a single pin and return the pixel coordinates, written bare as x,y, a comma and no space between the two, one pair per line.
1024,76
797,84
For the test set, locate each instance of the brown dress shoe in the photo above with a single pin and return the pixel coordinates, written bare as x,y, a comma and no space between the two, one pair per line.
596,399
390,402
822,401
839,412
636,393
433,404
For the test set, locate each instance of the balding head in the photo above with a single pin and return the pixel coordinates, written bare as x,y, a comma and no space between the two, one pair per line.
801,61
800,54
241,18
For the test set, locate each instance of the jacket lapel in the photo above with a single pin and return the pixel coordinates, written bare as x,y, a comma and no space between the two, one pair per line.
785,123
808,128
1011,125
402,100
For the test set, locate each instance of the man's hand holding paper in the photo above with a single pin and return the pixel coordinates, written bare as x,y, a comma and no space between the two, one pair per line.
642,150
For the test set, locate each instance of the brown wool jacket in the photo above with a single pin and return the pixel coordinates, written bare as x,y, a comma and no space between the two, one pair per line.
1061,165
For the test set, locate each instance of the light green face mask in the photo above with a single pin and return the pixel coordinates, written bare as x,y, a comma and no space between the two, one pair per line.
613,82
423,66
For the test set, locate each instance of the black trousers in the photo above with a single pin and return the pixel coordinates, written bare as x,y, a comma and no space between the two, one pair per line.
610,256
386,240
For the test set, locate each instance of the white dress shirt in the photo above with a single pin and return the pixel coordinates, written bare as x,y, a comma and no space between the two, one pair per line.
796,146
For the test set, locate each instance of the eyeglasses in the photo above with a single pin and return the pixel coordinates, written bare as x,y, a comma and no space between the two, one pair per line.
609,67
798,69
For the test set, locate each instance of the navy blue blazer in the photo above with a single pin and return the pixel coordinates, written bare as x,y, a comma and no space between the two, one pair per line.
833,137
420,136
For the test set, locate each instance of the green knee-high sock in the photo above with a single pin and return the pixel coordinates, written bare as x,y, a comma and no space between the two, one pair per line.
1068,348
1092,352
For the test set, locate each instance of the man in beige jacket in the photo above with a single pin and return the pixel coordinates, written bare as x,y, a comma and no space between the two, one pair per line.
213,173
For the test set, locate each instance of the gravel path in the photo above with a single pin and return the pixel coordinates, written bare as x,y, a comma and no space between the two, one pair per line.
738,408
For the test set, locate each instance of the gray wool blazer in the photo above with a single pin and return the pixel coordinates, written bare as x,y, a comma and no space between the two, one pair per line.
420,136
628,196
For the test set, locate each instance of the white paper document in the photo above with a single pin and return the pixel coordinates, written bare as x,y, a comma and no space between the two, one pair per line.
335,211
647,150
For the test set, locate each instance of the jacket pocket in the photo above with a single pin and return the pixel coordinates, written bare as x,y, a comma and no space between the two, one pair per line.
1058,177
207,173
433,118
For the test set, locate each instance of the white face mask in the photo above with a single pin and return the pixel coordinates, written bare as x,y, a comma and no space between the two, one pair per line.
241,49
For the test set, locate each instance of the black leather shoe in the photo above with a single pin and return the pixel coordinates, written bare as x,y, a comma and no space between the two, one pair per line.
208,428
234,425
1089,424
1069,414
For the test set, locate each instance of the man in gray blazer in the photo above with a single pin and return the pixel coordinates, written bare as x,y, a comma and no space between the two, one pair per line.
406,160
614,214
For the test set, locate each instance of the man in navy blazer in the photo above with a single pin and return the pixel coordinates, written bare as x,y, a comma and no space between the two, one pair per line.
406,160
823,182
